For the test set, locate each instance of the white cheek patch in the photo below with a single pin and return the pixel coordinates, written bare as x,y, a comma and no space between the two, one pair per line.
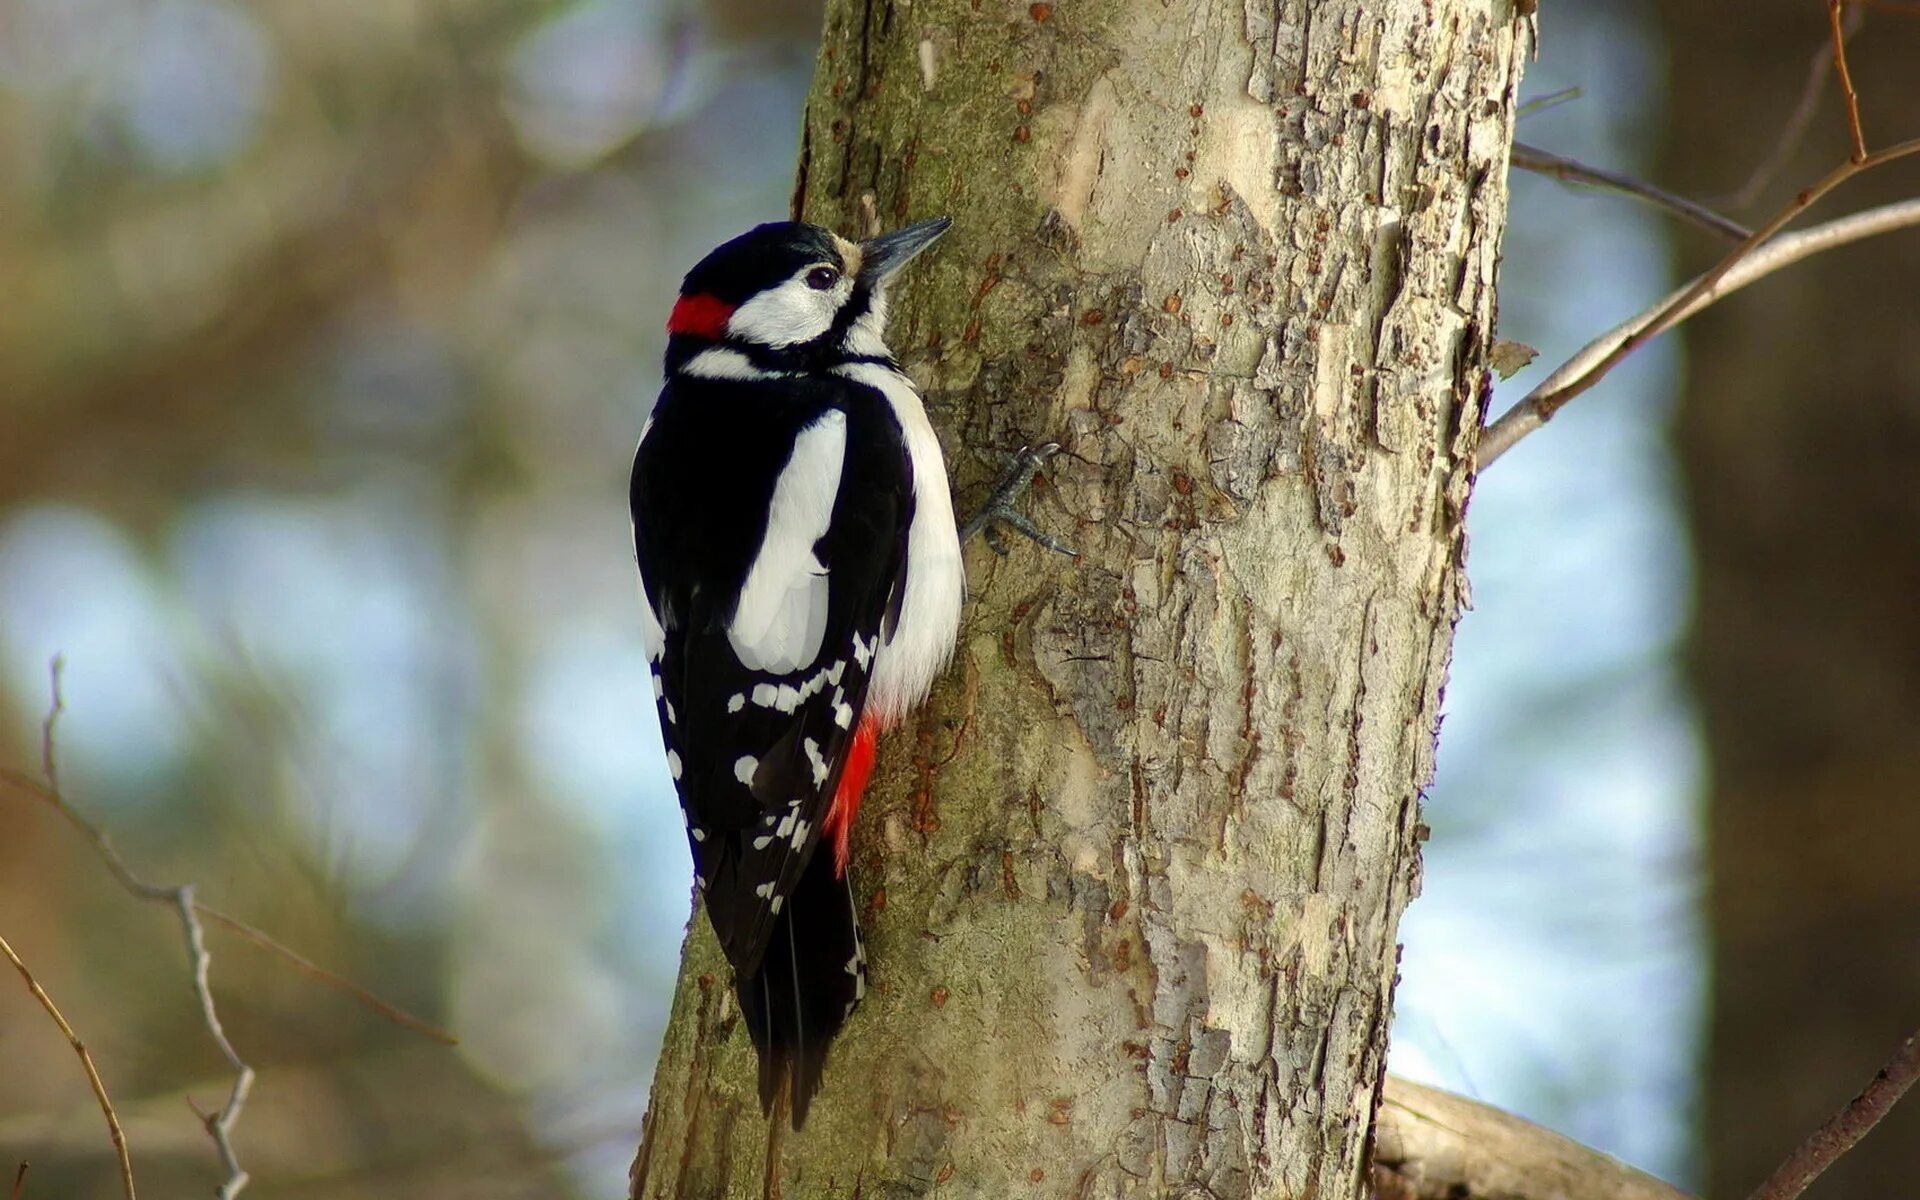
781,617
790,313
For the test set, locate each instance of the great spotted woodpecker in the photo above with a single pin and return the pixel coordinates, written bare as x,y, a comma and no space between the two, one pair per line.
800,565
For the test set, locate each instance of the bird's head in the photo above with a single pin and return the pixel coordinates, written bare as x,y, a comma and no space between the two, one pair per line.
788,291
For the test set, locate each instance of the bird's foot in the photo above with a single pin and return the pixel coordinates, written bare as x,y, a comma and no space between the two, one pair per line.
999,507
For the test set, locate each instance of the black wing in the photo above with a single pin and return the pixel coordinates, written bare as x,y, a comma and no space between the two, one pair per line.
759,751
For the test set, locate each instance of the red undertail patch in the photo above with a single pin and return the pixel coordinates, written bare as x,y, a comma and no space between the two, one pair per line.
700,315
853,783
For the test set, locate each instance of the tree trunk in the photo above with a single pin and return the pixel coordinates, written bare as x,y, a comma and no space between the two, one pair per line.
1135,875
1799,434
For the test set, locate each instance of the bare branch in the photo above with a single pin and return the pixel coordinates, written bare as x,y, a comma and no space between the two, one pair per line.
49,762
1839,1135
1604,353
220,1125
399,1016
259,937
1795,130
1567,170
180,899
1434,1145
1846,81
93,1076
1548,102
1761,254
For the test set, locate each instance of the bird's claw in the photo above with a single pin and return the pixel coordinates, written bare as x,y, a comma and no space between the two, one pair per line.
999,507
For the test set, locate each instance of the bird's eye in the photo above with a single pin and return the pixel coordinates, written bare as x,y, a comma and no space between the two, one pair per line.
822,278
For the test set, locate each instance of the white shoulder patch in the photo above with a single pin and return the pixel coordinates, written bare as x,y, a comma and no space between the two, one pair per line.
782,615
906,665
652,635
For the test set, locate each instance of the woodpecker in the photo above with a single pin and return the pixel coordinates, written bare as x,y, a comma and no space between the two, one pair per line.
801,577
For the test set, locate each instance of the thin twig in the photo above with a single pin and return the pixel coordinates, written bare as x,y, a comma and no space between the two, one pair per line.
49,762
1826,1144
398,1016
220,1129
1742,266
20,1180
258,937
1551,100
1795,130
93,1076
1846,81
1567,170
219,1125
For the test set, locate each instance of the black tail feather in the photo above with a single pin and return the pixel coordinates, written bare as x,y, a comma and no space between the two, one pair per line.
812,976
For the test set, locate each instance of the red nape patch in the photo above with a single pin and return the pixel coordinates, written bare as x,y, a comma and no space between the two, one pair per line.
853,783
701,316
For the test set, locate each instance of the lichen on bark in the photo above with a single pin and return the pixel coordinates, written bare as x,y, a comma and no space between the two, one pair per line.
1134,876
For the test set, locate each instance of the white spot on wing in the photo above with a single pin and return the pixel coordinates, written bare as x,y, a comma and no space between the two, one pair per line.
736,702
673,763
813,756
744,768
782,612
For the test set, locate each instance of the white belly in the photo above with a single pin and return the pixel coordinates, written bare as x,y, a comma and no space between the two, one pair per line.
907,664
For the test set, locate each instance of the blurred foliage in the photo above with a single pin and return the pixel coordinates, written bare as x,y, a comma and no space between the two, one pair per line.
328,331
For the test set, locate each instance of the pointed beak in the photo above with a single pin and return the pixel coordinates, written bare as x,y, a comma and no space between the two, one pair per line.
882,256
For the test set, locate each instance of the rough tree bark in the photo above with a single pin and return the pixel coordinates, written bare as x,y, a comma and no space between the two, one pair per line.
1798,437
1135,876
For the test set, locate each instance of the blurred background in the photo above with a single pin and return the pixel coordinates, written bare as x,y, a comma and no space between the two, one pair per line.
328,328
